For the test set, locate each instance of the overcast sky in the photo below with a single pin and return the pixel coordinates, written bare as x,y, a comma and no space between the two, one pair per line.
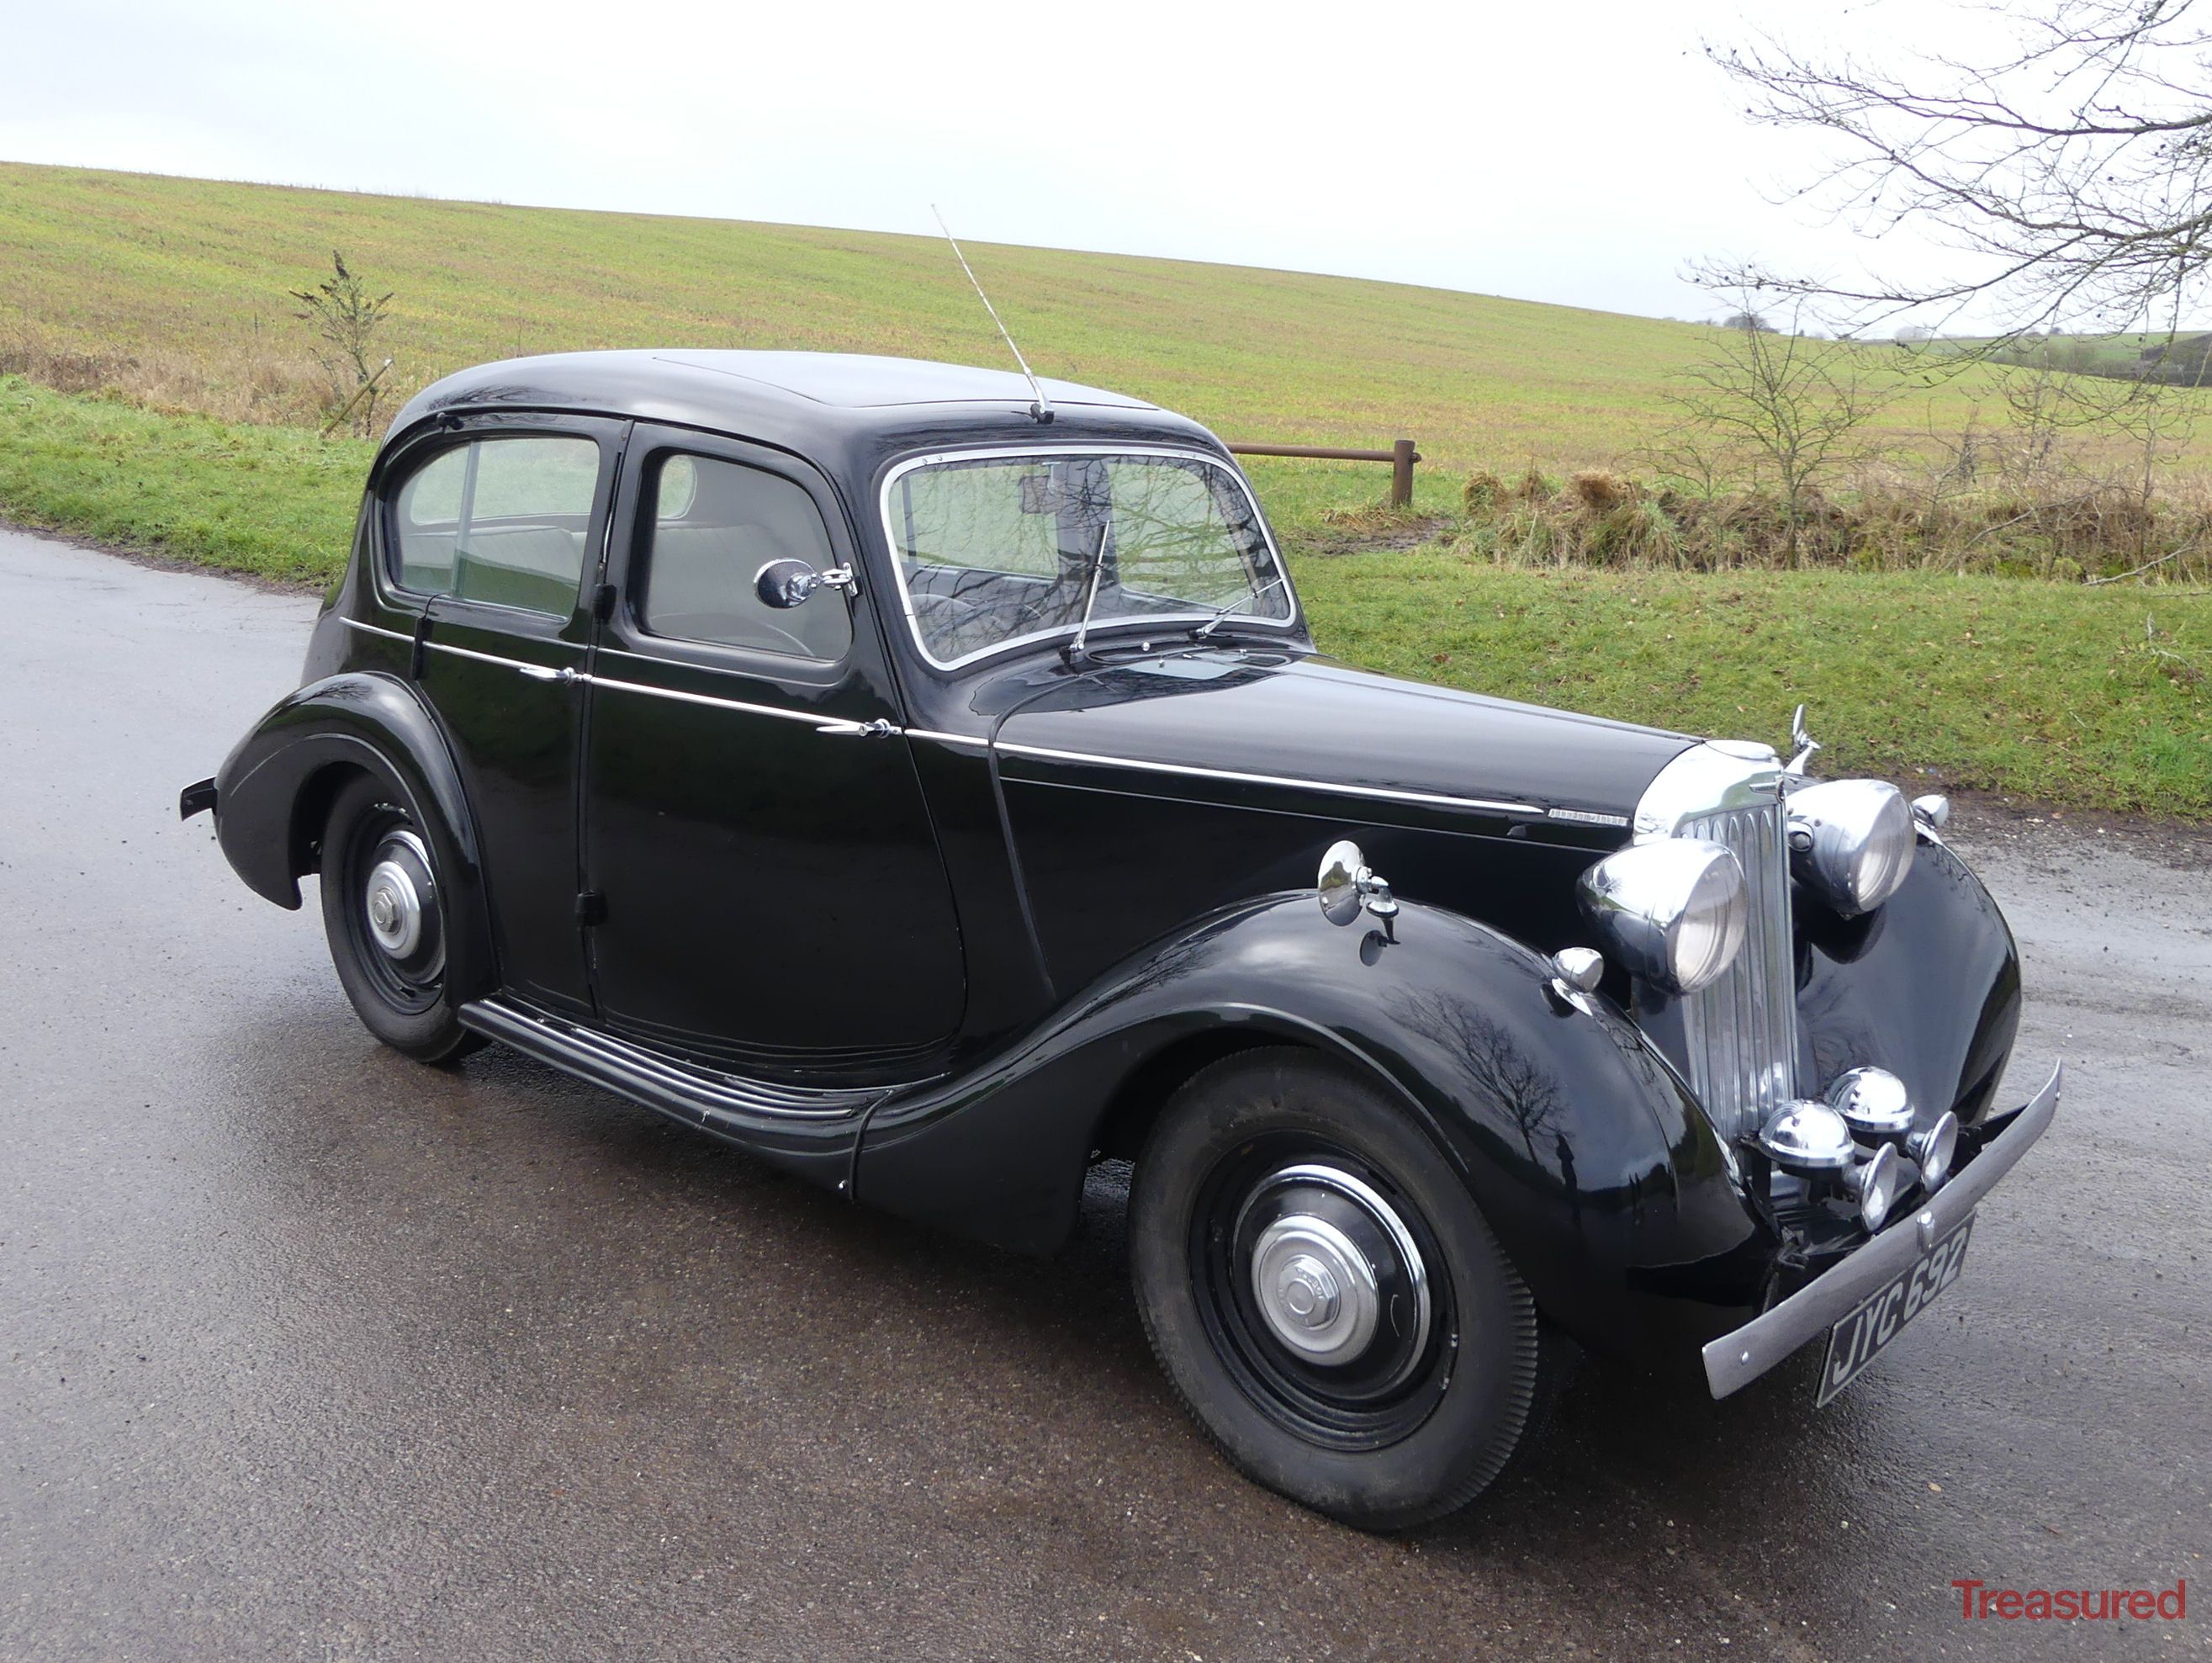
1579,152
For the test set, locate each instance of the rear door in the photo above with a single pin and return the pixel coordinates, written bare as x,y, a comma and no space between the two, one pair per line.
488,533
765,879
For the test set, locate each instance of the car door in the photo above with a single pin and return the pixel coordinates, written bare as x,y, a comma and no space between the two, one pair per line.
489,530
766,882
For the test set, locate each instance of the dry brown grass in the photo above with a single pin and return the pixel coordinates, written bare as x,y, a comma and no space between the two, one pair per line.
261,384
2069,528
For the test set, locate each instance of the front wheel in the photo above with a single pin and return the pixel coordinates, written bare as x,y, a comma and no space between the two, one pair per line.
385,914
1324,1294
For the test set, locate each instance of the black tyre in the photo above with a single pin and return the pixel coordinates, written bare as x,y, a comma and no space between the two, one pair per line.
1324,1294
386,921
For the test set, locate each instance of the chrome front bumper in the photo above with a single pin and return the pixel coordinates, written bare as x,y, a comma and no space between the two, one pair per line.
1735,1360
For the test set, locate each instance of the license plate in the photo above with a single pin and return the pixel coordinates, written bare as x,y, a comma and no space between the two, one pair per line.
1858,1339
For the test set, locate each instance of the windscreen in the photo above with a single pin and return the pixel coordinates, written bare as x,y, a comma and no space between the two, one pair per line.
993,550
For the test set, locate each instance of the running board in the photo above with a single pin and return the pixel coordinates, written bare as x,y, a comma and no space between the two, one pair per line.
730,1104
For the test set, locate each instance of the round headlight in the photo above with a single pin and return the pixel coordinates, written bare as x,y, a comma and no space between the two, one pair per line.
1673,909
1852,841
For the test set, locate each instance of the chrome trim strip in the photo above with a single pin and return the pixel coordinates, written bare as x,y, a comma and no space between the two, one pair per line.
813,718
975,739
540,671
1164,619
845,726
1376,792
823,723
1735,1360
1587,817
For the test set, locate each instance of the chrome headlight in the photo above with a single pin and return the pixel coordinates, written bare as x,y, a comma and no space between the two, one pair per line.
1852,842
1673,911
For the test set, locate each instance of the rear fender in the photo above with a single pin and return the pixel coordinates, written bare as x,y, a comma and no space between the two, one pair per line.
1587,1156
273,787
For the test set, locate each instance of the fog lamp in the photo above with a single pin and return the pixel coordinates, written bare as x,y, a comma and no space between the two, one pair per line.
1807,1138
1873,1185
1875,1102
1934,1147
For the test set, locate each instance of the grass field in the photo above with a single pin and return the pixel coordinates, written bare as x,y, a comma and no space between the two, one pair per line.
189,278
2057,692
172,291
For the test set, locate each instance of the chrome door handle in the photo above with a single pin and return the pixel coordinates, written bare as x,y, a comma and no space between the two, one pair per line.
539,673
877,729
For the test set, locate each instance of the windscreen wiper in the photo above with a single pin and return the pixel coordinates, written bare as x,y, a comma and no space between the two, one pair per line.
1245,600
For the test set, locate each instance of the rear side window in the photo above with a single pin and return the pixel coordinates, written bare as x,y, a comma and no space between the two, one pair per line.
715,525
499,520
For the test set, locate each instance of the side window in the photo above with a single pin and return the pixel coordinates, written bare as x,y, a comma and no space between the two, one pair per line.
499,520
715,525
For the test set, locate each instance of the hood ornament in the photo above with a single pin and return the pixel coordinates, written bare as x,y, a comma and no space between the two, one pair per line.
1800,741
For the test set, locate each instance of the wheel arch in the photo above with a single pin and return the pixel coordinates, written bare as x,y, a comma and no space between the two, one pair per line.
1583,1150
1134,1107
275,791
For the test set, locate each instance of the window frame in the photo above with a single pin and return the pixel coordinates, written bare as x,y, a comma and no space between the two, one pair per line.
425,453
1289,625
638,564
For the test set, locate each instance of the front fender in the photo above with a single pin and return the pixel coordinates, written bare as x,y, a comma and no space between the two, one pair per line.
1926,986
1588,1159
268,789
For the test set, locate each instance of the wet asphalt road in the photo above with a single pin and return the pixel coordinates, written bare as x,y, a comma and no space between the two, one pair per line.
306,1351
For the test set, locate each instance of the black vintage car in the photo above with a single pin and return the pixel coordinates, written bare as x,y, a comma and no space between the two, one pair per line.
929,783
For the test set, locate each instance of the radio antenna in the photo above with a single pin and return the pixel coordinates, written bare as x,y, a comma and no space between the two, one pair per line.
1040,408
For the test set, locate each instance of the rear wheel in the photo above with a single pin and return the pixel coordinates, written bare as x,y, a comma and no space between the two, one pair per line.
385,915
1324,1294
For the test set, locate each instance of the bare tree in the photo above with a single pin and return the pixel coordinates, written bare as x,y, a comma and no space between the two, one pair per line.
2072,167
345,319
1778,408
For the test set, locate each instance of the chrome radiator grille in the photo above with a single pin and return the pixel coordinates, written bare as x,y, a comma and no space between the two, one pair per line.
1741,1031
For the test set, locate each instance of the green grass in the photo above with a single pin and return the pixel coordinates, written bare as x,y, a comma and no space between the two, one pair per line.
2052,691
190,277
275,503
2048,690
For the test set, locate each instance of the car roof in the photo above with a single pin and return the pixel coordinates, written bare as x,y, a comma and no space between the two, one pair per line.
847,406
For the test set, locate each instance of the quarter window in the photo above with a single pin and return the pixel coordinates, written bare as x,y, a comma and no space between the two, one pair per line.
501,520
715,525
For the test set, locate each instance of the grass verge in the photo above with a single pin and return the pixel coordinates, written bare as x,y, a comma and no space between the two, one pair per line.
272,502
2084,697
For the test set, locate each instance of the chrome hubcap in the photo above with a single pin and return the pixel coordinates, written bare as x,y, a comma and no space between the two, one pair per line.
1314,1289
395,910
1336,1268
400,904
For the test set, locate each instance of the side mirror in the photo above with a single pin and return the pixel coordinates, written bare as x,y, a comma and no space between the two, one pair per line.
783,584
